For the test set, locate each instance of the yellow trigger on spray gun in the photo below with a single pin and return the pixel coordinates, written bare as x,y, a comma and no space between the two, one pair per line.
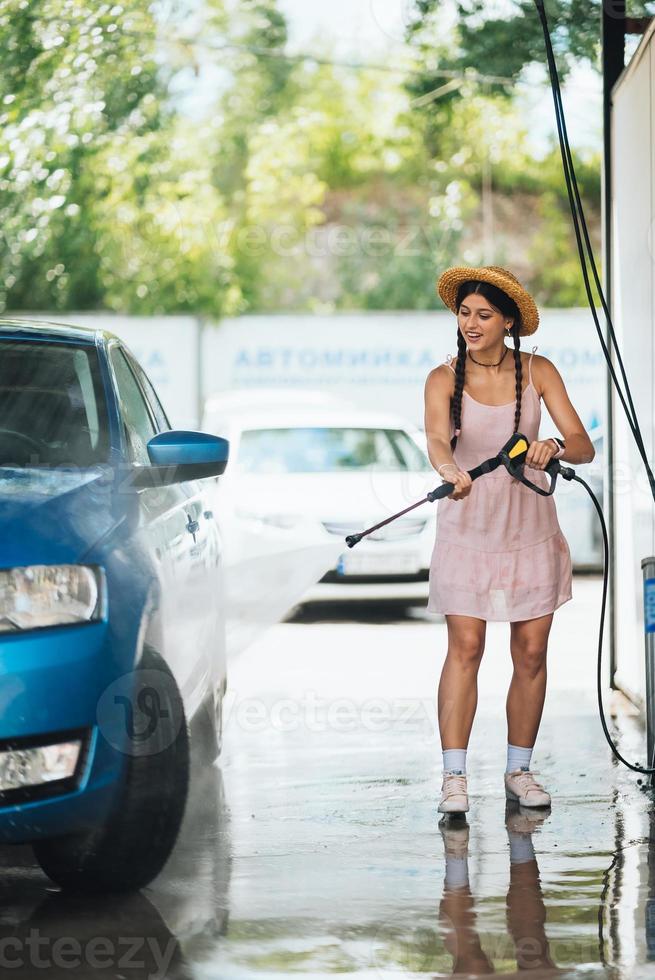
518,449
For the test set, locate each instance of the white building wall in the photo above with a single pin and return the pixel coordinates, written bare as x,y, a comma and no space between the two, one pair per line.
632,255
382,359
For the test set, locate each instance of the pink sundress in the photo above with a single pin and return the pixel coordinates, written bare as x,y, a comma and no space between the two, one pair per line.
499,554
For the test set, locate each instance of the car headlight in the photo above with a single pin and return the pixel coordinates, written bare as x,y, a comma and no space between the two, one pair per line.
33,596
27,767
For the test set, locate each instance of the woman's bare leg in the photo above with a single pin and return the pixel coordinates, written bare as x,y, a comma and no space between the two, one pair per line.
527,689
458,684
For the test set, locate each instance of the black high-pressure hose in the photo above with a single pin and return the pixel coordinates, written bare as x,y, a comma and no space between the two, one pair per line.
574,199
633,421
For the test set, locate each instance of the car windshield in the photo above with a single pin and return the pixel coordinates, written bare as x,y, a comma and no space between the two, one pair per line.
52,406
323,449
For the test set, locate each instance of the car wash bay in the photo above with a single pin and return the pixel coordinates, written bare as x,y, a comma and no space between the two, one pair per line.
315,847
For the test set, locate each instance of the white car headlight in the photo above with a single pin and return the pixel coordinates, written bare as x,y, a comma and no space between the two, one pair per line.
48,595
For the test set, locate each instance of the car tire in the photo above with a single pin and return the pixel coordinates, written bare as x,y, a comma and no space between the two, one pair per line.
126,852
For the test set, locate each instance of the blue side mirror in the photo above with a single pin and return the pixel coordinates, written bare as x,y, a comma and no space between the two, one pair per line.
183,454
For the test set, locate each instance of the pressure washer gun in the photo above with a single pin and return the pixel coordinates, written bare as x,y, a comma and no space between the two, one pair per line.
511,456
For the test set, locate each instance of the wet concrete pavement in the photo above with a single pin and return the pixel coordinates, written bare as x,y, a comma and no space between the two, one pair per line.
315,846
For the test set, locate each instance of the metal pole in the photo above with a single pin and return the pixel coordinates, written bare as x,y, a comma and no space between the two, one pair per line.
613,13
648,572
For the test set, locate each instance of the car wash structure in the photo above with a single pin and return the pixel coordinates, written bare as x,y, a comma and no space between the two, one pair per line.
629,253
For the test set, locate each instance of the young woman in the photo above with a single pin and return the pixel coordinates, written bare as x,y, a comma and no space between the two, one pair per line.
499,553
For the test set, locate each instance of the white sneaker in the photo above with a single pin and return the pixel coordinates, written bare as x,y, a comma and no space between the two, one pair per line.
520,785
454,798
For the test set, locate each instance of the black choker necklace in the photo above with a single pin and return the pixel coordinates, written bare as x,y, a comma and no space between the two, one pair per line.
488,365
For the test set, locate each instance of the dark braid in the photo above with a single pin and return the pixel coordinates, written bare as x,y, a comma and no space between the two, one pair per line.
456,401
519,372
459,386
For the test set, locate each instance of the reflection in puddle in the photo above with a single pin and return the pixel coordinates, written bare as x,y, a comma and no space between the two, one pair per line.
527,942
273,889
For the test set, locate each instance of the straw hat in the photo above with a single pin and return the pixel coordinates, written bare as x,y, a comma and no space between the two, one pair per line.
449,281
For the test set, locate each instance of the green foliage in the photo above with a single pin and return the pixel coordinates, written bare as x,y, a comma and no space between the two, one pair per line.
75,80
472,131
501,44
161,249
403,237
262,86
303,241
300,186
557,278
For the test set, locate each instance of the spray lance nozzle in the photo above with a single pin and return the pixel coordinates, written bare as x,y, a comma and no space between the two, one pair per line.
511,456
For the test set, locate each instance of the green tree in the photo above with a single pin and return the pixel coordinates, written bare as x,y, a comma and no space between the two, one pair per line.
504,44
476,144
300,186
160,226
76,76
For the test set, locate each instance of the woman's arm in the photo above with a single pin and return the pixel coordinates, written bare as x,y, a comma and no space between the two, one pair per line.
437,431
579,447
437,415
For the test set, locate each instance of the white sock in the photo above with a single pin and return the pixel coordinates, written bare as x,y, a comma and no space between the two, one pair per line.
521,848
457,872
518,757
454,760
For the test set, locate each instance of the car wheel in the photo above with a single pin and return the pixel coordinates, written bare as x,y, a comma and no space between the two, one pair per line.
132,846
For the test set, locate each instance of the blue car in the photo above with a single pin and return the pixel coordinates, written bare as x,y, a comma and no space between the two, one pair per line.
112,634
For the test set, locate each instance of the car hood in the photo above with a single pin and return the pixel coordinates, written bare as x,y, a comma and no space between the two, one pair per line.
51,515
351,496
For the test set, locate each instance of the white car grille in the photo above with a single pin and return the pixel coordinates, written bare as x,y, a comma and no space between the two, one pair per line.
394,531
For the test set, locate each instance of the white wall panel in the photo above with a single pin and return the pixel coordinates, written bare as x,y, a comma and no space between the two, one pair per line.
633,251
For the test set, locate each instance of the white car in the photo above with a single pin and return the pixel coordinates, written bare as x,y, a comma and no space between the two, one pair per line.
324,469
268,563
